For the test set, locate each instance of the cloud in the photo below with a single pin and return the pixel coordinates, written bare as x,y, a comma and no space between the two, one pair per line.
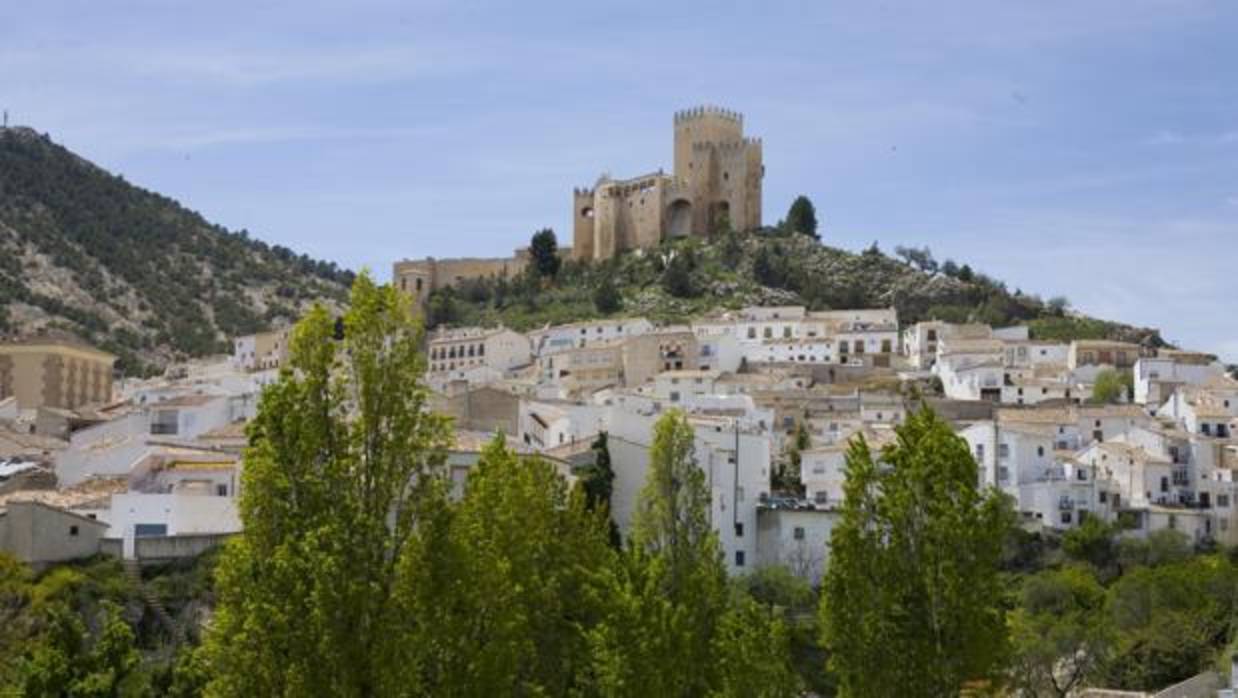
1169,137
207,138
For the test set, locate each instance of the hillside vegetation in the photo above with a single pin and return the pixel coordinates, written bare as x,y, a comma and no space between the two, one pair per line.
690,277
135,273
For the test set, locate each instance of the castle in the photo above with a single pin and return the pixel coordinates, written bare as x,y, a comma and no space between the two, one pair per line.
717,173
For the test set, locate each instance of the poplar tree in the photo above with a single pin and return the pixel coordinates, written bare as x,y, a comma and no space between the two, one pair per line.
672,628
912,599
498,597
344,462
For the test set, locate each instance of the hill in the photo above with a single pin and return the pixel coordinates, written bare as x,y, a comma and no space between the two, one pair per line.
691,277
85,252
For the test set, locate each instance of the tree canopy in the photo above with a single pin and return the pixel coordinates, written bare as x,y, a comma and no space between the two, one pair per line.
912,585
802,217
544,248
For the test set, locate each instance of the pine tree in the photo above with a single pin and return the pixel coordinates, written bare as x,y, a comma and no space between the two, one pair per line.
802,218
544,249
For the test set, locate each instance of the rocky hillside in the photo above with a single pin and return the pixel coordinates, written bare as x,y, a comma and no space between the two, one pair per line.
767,267
85,252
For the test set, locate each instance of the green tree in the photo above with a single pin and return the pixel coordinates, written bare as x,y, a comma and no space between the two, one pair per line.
1059,633
544,249
501,602
802,217
966,274
345,461
912,584
598,482
1093,542
1112,386
677,277
1169,621
606,296
673,628
66,662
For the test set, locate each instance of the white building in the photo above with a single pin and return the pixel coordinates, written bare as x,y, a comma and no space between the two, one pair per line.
550,340
463,349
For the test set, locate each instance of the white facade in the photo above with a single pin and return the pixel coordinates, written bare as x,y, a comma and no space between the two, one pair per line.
582,334
472,348
736,462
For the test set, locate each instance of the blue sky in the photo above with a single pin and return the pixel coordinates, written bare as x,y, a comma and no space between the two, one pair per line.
1084,148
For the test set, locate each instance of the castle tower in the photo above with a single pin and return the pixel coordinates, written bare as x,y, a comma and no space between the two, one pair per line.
718,172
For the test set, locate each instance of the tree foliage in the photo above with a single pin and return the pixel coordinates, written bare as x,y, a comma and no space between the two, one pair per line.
912,584
1059,633
344,463
544,248
1113,386
802,217
606,296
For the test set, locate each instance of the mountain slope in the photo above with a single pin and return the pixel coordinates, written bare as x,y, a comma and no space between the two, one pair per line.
131,271
691,277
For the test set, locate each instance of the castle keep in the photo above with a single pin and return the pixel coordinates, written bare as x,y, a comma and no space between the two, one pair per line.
717,173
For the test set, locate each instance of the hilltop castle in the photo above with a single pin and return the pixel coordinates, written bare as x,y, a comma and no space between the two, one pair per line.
717,173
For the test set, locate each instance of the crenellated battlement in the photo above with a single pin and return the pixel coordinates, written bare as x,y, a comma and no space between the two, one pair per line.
582,191
725,146
708,111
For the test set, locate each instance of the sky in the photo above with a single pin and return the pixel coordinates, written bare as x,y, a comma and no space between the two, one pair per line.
1085,148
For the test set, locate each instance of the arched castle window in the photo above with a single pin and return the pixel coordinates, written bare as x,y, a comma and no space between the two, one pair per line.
403,283
586,212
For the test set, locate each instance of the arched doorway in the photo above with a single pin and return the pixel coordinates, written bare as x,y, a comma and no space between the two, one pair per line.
679,218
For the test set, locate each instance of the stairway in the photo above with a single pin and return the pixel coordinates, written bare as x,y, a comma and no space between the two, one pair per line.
133,570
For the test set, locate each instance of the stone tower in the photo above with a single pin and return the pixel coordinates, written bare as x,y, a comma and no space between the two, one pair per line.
717,172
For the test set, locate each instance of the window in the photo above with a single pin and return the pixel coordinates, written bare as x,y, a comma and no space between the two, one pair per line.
821,497
221,490
1223,500
73,530
752,333
1164,484
769,332
1066,517
739,558
403,283
1003,473
799,533
418,285
1040,451
1103,496
1003,450
979,451
932,335
786,332
739,529
885,346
